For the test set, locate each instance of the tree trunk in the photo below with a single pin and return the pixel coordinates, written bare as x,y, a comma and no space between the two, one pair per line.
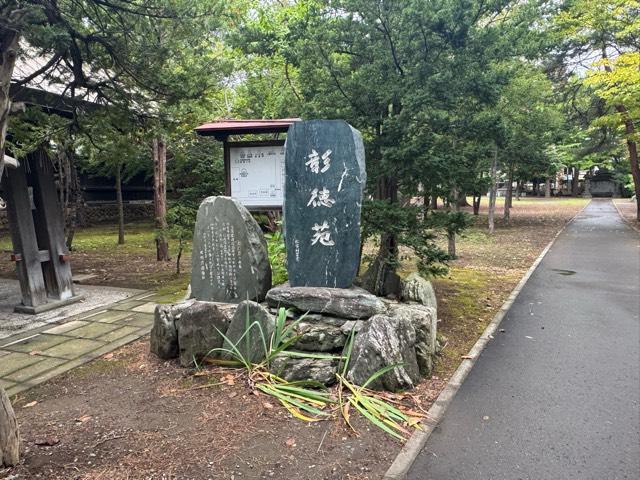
425,204
178,257
434,202
632,148
8,51
508,198
381,278
462,200
476,203
518,189
575,183
547,188
493,190
451,246
120,204
160,198
9,433
74,201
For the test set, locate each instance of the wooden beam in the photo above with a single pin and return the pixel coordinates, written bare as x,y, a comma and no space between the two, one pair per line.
23,237
50,227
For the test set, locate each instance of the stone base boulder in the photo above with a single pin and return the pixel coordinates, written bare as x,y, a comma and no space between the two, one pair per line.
385,341
164,333
414,288
250,331
424,321
402,333
294,369
320,333
353,303
200,328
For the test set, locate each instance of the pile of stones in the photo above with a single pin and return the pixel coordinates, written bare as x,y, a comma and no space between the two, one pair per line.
386,332
231,279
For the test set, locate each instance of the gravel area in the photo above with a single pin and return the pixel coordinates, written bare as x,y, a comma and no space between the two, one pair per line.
12,322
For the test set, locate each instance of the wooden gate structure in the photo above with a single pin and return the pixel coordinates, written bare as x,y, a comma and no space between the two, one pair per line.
36,220
37,233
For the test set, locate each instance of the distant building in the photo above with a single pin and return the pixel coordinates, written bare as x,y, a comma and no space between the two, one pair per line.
53,98
602,183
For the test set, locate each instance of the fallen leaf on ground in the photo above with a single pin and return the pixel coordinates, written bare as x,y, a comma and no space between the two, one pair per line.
267,405
47,441
83,418
291,442
30,404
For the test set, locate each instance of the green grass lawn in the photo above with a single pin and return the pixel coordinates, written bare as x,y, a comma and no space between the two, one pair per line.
139,239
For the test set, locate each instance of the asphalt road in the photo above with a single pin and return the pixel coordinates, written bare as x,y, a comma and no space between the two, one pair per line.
556,395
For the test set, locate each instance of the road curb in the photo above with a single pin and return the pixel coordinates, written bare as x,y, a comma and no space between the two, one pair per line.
404,460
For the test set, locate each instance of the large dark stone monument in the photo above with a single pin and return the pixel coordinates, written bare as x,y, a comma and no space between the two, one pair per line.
325,179
229,261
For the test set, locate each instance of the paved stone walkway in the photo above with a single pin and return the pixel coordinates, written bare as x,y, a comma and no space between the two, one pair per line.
93,296
33,357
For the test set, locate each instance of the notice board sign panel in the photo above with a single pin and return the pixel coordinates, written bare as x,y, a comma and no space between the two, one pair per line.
256,174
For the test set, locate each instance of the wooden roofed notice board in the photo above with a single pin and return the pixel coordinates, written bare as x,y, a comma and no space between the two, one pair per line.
254,170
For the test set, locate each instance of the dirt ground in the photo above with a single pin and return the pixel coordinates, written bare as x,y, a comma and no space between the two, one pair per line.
628,209
132,265
132,416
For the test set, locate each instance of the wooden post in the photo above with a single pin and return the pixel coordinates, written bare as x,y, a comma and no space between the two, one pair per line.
50,221
160,197
9,433
23,236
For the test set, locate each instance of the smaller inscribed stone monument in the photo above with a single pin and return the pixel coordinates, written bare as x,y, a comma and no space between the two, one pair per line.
230,262
325,179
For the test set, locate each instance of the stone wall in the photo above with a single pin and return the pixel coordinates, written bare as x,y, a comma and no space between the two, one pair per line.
102,213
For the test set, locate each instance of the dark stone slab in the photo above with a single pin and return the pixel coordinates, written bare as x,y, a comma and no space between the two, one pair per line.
425,324
322,333
291,369
325,179
250,332
229,261
417,289
351,302
200,329
381,342
164,333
